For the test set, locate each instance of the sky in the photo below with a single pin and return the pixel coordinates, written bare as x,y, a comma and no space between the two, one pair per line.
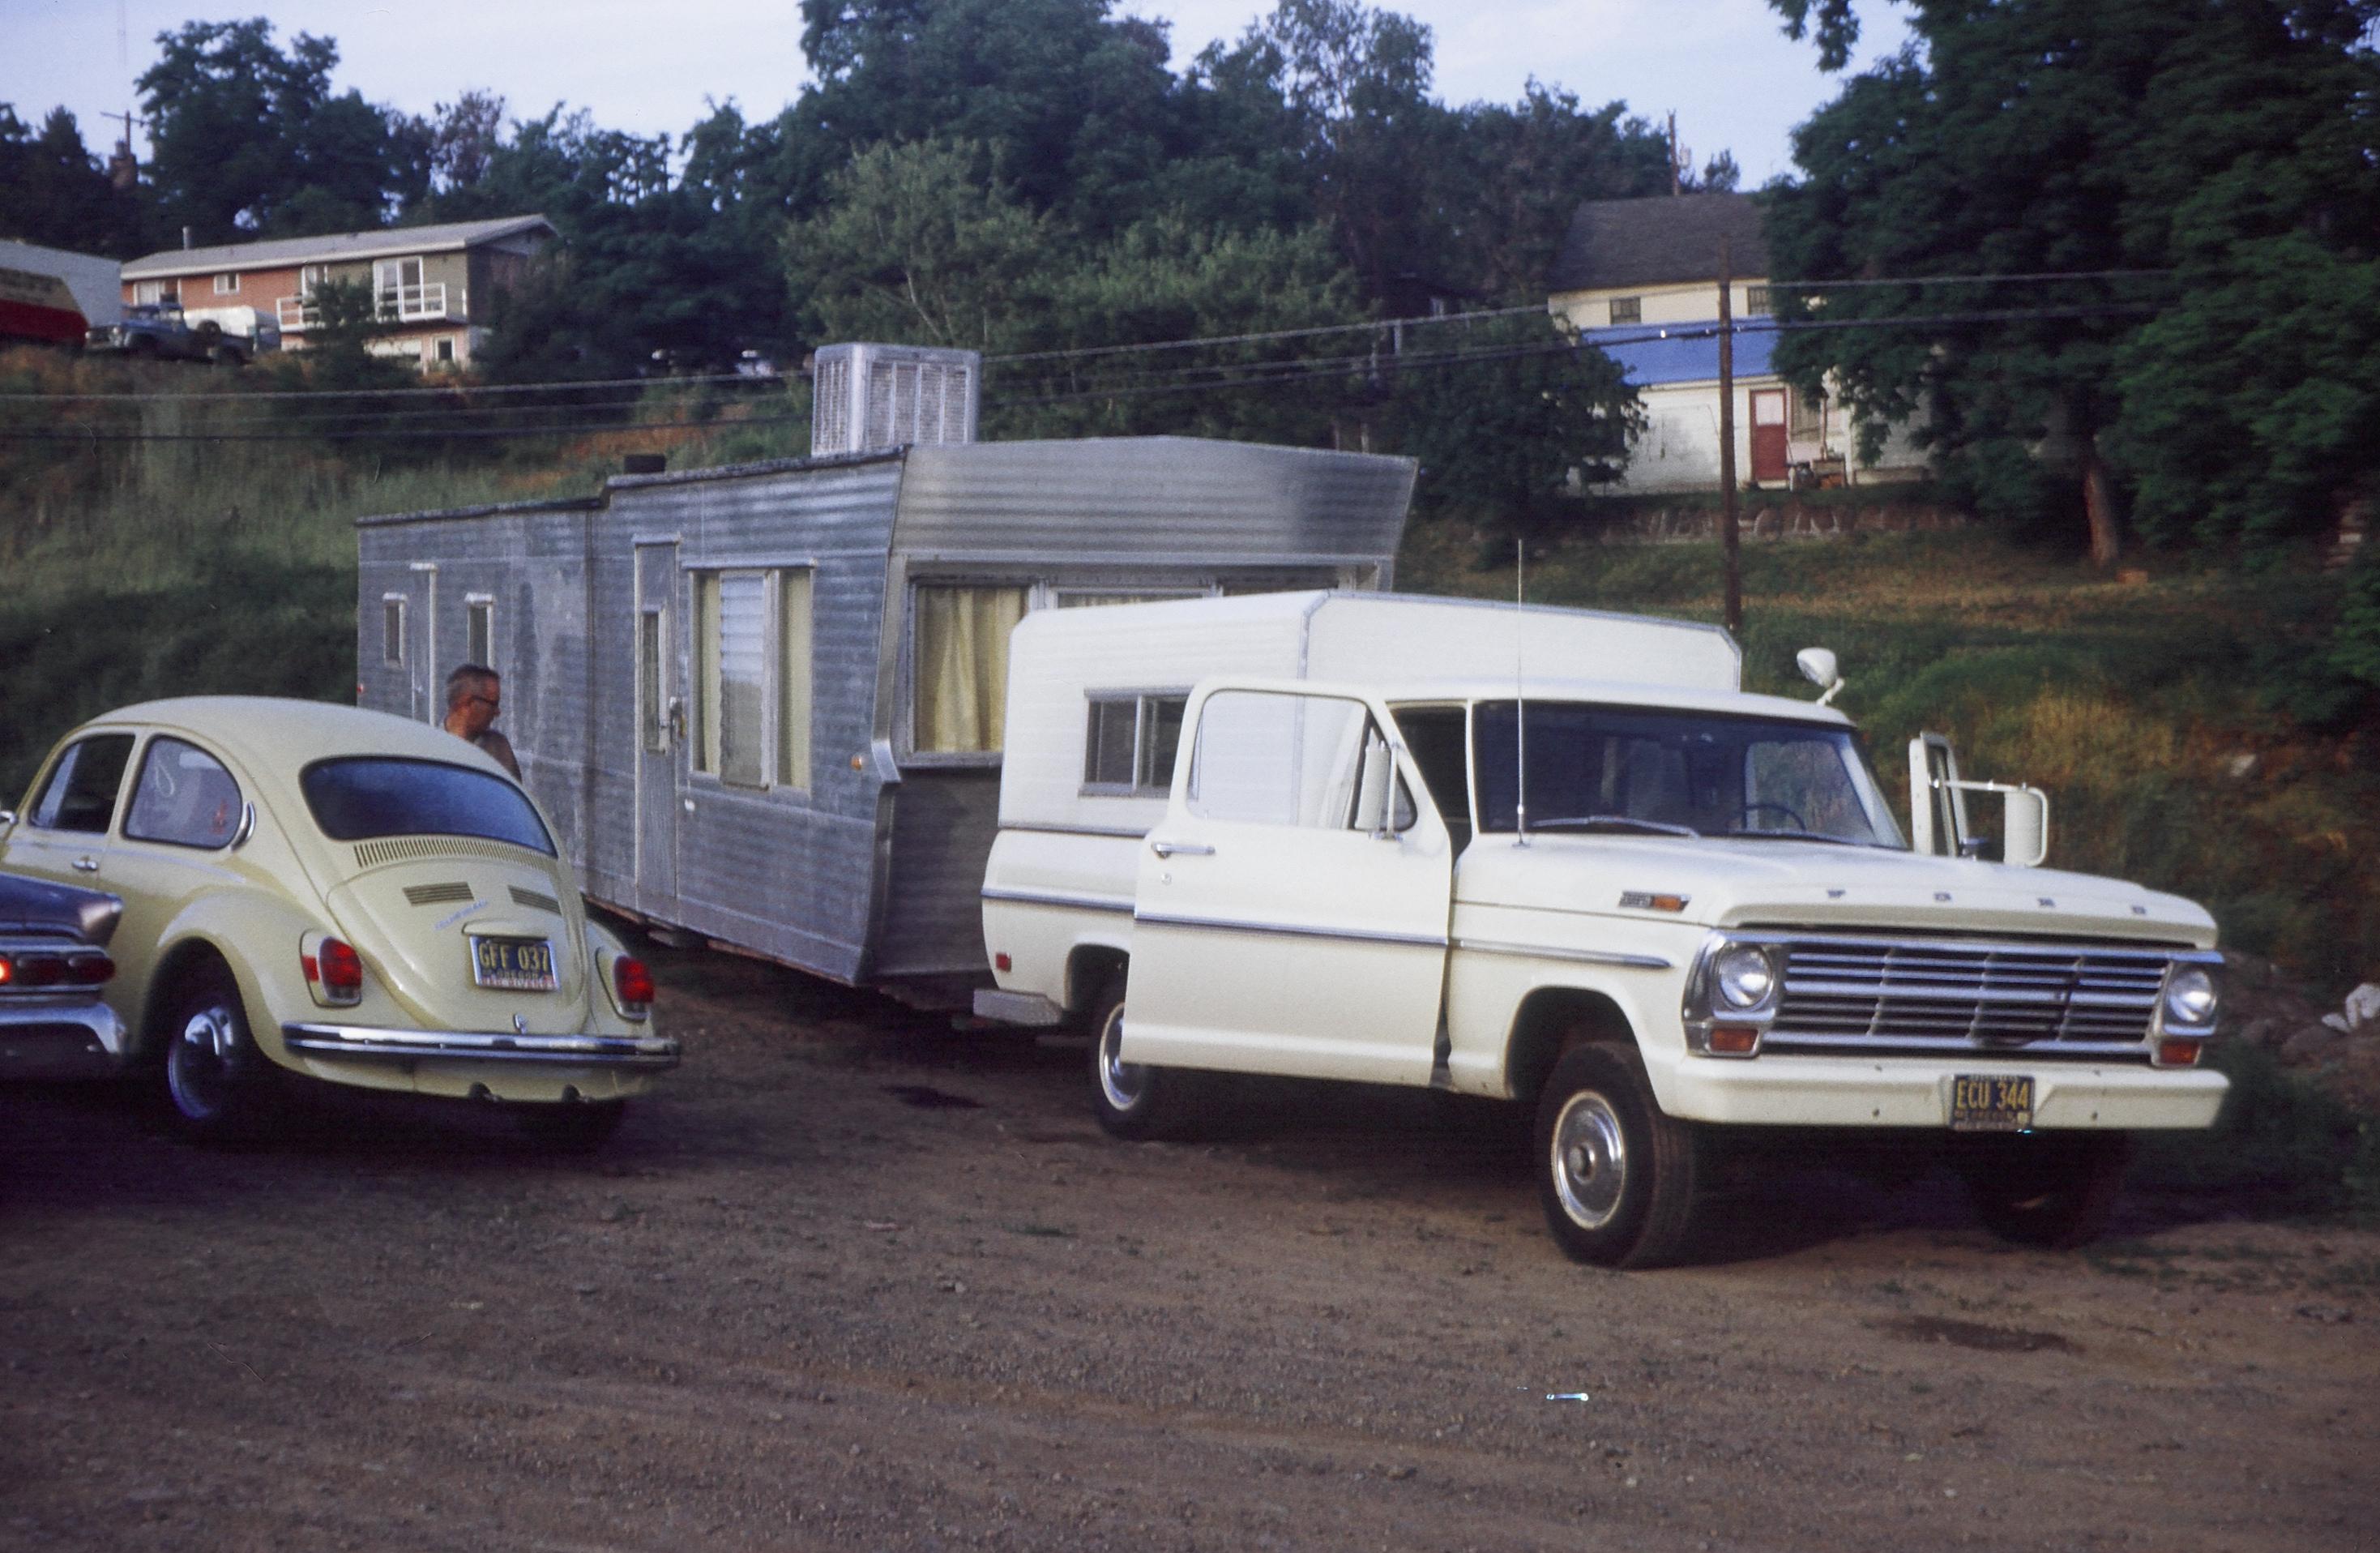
1735,82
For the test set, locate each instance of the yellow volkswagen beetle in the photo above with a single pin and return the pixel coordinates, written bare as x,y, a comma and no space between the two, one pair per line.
318,890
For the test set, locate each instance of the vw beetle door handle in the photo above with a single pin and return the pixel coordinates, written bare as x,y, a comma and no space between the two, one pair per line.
86,865
1183,849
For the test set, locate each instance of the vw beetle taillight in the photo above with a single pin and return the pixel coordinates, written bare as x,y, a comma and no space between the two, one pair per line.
632,985
335,972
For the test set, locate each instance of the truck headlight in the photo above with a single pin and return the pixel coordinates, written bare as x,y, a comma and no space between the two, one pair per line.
2190,996
1744,979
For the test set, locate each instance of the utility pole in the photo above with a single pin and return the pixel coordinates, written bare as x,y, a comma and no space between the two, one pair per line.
1729,540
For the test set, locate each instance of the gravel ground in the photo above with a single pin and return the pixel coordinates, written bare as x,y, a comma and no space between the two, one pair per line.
853,1280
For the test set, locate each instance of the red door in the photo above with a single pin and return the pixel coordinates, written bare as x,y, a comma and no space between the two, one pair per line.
1769,436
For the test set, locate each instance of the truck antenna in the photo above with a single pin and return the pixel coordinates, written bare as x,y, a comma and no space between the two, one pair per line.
1520,694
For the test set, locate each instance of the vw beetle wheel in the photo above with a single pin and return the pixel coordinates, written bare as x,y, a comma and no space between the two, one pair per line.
1616,1178
1134,1100
216,1083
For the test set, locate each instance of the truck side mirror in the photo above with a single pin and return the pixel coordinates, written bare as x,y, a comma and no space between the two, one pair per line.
1937,808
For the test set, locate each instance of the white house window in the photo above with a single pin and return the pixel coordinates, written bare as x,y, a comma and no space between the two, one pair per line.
392,630
1129,743
752,677
397,286
312,278
1756,300
148,292
959,666
480,630
447,348
227,286
1628,310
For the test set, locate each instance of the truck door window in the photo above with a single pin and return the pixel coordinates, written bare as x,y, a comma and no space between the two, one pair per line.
80,794
1434,736
1268,758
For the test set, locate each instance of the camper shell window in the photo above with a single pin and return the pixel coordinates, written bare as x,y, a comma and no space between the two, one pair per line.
1129,742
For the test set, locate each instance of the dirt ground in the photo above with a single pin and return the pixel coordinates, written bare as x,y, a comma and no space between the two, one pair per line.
853,1280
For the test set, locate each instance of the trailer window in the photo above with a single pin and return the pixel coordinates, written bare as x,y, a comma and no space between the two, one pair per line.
480,630
392,630
959,658
752,677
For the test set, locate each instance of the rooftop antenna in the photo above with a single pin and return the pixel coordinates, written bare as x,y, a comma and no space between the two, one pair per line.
1520,693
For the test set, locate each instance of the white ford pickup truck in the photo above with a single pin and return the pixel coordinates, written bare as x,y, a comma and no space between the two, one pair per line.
1560,858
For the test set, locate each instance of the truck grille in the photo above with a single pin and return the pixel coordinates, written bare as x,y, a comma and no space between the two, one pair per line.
1885,994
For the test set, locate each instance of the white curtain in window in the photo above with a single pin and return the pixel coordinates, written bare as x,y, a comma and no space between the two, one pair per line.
961,644
743,685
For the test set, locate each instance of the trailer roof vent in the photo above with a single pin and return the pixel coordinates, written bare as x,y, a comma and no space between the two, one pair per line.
874,397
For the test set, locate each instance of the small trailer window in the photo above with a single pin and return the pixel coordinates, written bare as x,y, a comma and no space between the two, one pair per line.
480,630
959,643
652,729
1128,746
392,630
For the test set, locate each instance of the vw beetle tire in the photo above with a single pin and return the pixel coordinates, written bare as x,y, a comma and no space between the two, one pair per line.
218,1086
1616,1178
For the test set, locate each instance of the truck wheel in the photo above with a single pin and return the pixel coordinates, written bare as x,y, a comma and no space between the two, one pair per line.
1134,1100
218,1086
2055,1190
1616,1175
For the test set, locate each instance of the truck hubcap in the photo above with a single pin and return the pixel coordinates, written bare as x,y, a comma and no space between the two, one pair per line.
1123,1083
1590,1160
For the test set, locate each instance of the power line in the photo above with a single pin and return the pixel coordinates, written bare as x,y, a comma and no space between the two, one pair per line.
591,429
1369,325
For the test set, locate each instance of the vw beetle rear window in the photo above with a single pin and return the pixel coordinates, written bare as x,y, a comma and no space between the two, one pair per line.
361,798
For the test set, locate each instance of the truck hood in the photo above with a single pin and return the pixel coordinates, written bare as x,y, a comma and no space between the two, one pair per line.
1767,883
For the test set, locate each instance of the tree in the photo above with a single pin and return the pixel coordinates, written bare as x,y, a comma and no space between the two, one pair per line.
2227,142
248,141
1513,418
54,191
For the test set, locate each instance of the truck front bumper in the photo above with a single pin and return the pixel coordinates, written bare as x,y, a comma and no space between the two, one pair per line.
1902,1092
351,1043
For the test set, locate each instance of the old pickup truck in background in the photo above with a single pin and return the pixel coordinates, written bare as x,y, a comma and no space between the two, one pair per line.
160,331
1562,859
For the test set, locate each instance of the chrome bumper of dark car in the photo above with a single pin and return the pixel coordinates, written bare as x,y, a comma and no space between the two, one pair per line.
58,1040
353,1042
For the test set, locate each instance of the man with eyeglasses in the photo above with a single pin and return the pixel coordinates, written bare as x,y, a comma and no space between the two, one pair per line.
474,695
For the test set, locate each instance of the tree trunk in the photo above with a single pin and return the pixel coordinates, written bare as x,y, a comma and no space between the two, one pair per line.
2099,508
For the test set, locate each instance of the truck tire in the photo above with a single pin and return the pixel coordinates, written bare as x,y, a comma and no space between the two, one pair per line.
2055,1190
1135,1101
1617,1177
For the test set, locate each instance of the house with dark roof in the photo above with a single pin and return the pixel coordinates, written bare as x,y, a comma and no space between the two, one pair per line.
1640,279
432,285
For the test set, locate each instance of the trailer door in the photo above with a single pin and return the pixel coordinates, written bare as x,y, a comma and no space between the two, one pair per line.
660,725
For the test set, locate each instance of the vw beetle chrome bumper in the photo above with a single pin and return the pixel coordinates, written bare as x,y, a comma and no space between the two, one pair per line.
352,1042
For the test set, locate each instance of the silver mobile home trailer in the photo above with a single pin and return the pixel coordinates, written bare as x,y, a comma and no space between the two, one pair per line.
764,703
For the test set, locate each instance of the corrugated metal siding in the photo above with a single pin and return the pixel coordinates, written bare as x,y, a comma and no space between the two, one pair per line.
943,823
793,874
789,874
1152,497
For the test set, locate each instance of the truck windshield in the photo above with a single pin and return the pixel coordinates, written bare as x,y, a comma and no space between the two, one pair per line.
368,796
1650,770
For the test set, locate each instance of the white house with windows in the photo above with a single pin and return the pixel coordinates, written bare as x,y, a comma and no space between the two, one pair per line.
433,287
1639,278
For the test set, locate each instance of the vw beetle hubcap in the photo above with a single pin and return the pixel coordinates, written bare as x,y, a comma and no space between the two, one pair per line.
197,1068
